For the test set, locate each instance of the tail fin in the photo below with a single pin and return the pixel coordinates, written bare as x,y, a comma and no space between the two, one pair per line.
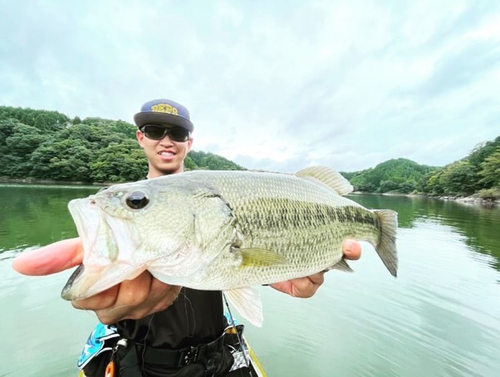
386,246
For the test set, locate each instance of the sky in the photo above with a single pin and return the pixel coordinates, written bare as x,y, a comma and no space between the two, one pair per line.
275,85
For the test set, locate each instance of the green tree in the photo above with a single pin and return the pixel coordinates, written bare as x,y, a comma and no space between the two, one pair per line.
459,178
6,159
205,160
65,160
6,128
490,170
189,164
120,162
19,146
434,184
483,151
389,185
407,187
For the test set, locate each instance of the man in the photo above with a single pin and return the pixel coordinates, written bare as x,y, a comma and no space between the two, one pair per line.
160,326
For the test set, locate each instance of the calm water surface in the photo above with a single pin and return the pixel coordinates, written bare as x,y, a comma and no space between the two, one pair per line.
440,317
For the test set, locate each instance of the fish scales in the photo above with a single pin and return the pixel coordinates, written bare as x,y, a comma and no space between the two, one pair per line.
295,218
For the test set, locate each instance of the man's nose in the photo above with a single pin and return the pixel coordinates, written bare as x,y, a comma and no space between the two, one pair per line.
166,140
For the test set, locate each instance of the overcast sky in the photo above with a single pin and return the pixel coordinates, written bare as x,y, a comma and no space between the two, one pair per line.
277,85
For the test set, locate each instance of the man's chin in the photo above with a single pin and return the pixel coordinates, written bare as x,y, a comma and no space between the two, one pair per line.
170,168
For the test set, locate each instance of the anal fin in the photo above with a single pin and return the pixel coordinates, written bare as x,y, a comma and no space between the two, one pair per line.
341,265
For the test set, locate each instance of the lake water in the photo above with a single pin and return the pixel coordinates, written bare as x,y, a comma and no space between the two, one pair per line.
440,317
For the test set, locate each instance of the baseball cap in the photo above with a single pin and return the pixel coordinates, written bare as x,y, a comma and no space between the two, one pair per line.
164,111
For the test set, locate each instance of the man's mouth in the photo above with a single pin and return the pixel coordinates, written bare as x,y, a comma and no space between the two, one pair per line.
166,154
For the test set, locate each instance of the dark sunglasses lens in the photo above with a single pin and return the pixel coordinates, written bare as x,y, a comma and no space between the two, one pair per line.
158,132
178,134
155,132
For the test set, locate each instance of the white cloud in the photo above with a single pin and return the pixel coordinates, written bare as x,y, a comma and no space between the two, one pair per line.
274,85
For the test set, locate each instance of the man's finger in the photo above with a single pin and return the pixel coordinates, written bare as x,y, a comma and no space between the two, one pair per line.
99,301
351,249
317,279
50,259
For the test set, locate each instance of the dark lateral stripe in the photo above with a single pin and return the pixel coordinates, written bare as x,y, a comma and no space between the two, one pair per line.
278,213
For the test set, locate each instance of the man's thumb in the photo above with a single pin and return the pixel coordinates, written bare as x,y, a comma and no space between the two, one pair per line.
50,259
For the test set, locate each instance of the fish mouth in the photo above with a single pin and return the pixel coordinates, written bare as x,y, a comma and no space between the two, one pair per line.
108,246
84,283
80,285
85,215
66,291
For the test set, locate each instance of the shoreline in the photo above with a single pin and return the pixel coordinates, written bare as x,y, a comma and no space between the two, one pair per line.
469,200
51,182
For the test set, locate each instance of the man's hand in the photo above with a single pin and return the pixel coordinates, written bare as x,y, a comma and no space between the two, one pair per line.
144,295
306,287
132,299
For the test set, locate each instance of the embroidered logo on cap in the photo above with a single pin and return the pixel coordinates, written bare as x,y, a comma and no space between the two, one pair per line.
164,108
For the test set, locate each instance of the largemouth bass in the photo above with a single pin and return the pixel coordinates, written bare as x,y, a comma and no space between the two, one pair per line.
224,230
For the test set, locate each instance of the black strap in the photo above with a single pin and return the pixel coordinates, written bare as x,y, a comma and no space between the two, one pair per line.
174,359
129,365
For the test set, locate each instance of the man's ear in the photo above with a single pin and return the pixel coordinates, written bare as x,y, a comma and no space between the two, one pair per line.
140,138
190,144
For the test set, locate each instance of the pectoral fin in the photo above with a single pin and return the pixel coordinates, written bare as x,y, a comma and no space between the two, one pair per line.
252,257
248,303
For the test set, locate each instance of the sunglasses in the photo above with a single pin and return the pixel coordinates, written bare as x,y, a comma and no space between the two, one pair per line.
157,132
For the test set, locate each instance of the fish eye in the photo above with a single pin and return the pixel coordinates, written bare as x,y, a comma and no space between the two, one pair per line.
137,200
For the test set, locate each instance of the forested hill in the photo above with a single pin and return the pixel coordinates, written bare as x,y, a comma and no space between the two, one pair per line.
477,173
48,145
400,175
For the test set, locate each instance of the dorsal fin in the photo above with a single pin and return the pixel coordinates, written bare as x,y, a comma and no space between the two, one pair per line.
328,177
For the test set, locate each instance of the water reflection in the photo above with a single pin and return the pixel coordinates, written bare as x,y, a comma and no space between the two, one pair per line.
32,216
480,225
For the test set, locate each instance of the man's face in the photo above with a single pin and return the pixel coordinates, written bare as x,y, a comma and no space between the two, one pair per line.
164,156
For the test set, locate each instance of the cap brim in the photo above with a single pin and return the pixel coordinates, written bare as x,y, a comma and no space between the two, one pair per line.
141,119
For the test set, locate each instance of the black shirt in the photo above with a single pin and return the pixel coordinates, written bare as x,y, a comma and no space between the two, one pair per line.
196,317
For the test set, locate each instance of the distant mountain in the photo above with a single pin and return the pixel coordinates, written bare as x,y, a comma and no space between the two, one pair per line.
400,175
206,160
476,174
